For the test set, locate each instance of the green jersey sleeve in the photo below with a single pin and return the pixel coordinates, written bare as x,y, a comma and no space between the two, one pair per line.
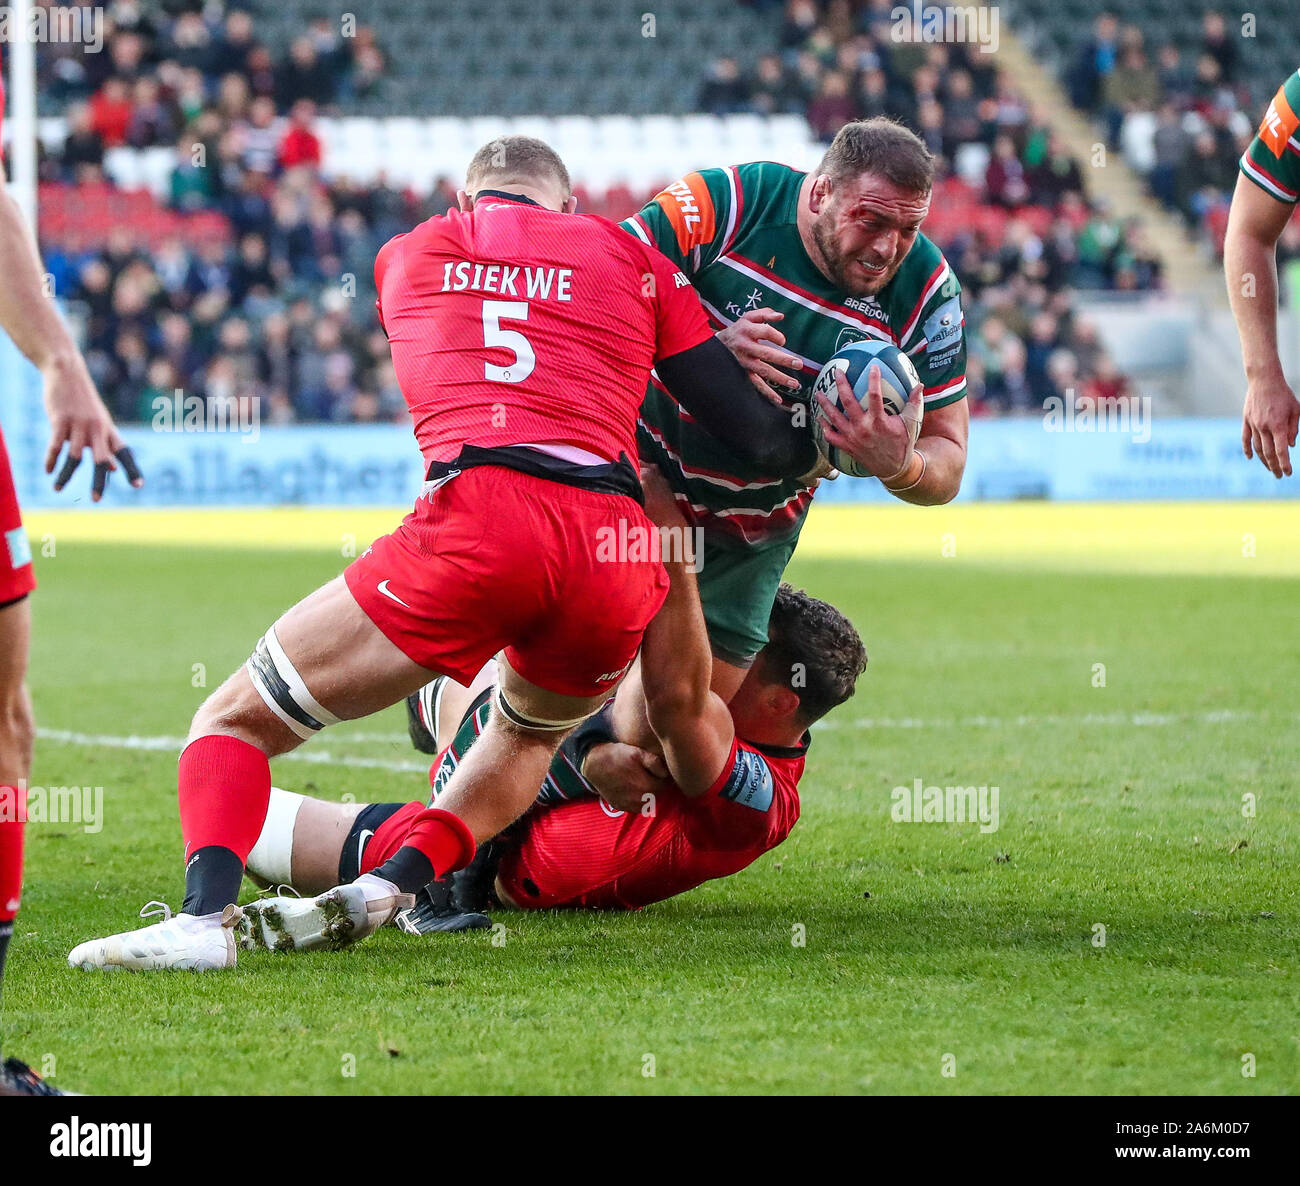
934,337
1272,161
690,220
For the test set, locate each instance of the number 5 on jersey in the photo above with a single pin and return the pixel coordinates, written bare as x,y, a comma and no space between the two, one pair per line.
507,339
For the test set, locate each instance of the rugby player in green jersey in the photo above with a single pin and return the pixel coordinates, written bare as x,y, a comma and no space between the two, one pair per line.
1265,198
791,266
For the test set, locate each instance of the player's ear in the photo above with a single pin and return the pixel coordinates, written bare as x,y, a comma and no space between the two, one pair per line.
782,702
571,204
464,201
820,191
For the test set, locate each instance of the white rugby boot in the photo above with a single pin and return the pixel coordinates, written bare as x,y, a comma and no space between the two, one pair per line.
181,942
337,918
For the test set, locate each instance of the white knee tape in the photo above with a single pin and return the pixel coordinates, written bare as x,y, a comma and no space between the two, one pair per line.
272,855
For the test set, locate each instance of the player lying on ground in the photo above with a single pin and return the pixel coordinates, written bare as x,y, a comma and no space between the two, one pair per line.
791,266
79,420
501,315
729,794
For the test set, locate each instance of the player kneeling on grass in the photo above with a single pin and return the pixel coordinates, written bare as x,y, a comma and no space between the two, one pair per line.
523,335
729,796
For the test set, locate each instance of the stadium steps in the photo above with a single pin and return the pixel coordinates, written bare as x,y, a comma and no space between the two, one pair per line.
1187,271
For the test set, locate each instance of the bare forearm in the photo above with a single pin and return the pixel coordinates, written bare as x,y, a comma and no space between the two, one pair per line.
676,661
1250,266
945,462
26,310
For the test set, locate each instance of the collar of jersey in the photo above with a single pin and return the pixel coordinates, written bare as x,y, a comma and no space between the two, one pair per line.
500,193
784,751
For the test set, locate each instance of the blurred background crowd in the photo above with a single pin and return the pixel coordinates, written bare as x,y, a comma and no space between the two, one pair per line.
260,283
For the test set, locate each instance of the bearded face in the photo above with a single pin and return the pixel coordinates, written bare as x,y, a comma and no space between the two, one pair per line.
863,229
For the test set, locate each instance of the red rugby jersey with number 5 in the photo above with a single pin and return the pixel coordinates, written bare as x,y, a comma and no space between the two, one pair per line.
513,324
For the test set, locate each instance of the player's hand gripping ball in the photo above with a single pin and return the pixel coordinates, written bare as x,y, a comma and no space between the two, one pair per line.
856,361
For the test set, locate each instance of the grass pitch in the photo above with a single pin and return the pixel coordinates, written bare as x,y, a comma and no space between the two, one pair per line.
1125,675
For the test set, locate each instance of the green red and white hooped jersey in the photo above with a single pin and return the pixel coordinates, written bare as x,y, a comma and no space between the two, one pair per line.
1272,161
733,232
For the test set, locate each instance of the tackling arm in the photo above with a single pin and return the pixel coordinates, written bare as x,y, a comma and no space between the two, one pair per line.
714,388
692,723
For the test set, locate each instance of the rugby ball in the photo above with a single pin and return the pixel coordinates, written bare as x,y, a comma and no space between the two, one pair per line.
897,377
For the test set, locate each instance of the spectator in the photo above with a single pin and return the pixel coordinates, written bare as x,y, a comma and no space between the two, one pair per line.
234,48
1057,175
832,108
152,121
1004,178
1175,79
1133,85
110,113
1220,45
1170,146
772,92
302,75
252,273
84,145
1096,59
724,91
301,147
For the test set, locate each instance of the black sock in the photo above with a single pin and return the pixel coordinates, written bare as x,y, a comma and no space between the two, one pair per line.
6,931
212,878
408,869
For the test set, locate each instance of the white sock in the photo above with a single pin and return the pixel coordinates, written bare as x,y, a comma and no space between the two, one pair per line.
272,855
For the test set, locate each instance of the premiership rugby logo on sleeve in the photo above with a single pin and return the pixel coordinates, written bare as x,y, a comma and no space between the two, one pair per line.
20,548
688,206
1279,124
750,782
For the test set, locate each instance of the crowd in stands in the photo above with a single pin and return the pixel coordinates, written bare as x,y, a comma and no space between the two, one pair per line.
1022,237
280,305
1181,119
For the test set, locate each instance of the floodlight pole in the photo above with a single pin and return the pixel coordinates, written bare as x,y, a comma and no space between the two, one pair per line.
22,112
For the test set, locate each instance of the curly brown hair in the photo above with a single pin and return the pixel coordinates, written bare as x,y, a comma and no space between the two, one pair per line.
814,650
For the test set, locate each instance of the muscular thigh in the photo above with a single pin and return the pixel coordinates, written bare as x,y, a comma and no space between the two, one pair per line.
326,662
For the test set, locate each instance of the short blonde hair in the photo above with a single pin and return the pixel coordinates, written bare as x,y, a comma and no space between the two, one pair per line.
516,158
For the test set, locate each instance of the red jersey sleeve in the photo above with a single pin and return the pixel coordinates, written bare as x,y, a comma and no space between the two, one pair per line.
753,803
382,261
680,323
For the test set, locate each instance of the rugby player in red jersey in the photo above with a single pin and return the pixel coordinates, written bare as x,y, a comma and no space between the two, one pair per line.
79,420
729,797
522,337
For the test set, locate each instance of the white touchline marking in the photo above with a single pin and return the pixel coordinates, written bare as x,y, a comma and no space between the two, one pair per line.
1218,716
176,744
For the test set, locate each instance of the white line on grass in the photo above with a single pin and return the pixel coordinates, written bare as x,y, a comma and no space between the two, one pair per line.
176,744
1139,720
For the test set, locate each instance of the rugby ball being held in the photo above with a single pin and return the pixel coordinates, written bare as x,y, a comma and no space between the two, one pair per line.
856,361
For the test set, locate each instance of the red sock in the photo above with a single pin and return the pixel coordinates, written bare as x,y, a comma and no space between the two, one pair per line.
224,785
13,817
437,843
